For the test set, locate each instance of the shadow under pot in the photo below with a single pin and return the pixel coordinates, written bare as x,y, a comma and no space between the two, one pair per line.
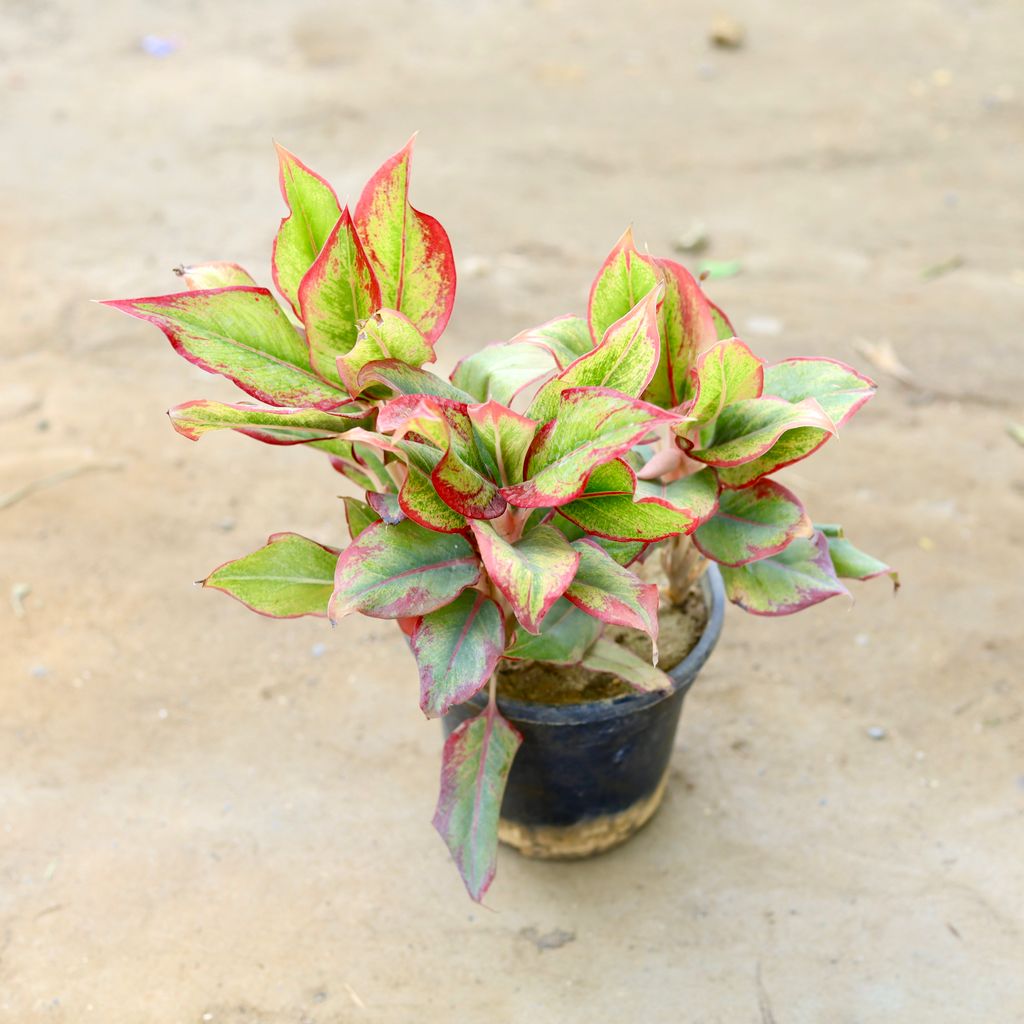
590,775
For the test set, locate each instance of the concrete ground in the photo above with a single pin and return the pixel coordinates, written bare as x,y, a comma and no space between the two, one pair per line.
209,816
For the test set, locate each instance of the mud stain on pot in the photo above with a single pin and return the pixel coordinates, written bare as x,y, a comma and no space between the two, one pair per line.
680,627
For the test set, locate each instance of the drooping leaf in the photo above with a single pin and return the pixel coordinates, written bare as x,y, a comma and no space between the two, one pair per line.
290,576
386,505
313,211
748,429
502,370
387,334
409,250
335,295
457,649
391,572
358,516
532,573
751,524
625,278
218,274
839,389
474,769
404,379
797,577
611,593
607,656
625,359
242,334
624,552
851,563
727,372
687,327
565,634
592,427
502,437
270,424
791,447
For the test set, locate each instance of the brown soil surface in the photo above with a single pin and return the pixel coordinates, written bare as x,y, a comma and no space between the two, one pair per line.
679,629
208,817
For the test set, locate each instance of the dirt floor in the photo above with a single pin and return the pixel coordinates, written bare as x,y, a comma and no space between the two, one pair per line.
209,816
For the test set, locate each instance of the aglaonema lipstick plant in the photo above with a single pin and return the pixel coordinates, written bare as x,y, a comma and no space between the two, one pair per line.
502,509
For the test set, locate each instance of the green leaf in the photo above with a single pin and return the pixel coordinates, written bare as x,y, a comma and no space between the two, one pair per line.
419,498
791,447
565,634
409,250
313,211
604,589
403,379
215,275
796,578
474,769
288,577
851,563
748,429
624,552
386,505
593,426
501,371
391,572
625,359
242,334
385,335
532,573
752,524
723,328
694,496
457,649
336,294
268,423
566,338
358,516
608,656
625,278
687,326
502,439
839,389
727,372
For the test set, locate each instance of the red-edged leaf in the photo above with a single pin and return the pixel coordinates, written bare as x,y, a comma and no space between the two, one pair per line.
752,524
593,426
532,573
474,769
565,338
839,389
624,552
391,572
694,496
418,497
457,649
625,359
604,589
386,505
241,334
218,274
403,379
727,372
723,326
687,325
336,294
851,563
387,334
797,577
625,277
502,370
290,576
607,656
313,211
358,516
746,430
503,438
269,424
565,634
408,249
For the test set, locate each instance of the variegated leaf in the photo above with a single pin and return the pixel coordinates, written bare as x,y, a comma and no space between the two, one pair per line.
358,516
474,769
604,589
625,278
457,649
502,370
694,496
797,577
751,524
418,497
565,338
336,294
409,250
290,576
607,656
403,379
723,327
218,274
565,635
502,439
851,563
839,389
313,211
727,372
242,334
270,424
391,572
532,573
592,427
625,359
386,505
624,552
791,447
387,334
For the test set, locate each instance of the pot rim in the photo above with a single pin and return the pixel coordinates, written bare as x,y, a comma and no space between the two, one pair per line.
682,675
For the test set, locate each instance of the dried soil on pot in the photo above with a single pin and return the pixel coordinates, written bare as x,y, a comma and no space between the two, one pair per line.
680,627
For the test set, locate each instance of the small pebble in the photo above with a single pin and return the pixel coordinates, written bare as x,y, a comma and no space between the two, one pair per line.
727,33
318,649
876,732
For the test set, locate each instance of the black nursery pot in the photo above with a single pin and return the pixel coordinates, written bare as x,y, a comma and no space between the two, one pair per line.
589,775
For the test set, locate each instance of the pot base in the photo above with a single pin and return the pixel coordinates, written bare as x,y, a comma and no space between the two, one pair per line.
584,839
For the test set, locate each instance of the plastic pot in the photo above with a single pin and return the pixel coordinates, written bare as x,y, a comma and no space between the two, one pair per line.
589,775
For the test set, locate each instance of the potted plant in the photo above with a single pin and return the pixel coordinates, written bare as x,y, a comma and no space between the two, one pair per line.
531,520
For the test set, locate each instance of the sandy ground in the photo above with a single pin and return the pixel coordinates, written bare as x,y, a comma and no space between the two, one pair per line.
208,816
